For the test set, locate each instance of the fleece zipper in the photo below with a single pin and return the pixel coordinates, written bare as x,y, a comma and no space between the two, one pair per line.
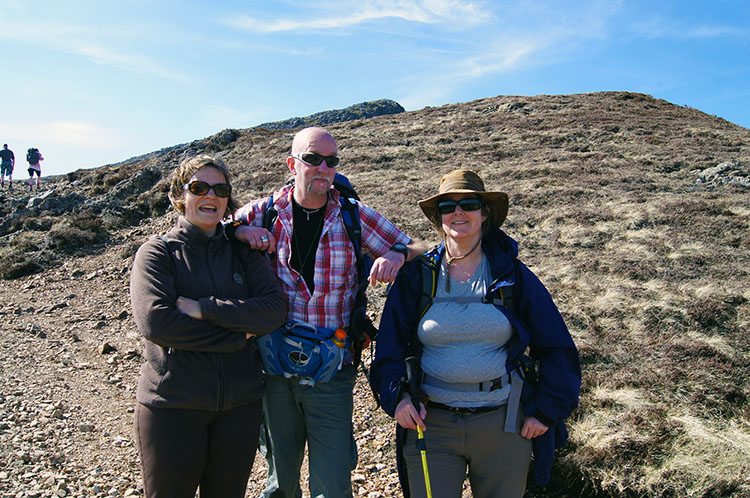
218,357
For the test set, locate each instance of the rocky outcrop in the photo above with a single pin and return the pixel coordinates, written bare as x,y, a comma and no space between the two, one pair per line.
357,111
726,173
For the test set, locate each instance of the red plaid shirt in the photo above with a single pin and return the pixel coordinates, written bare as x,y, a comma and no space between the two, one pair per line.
335,261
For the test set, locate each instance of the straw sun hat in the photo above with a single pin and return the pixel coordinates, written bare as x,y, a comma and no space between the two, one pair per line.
462,181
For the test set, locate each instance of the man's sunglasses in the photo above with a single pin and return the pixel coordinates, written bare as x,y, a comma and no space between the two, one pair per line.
314,159
198,187
470,204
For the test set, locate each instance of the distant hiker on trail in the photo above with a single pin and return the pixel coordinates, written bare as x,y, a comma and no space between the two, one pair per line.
309,390
461,317
33,156
6,166
199,301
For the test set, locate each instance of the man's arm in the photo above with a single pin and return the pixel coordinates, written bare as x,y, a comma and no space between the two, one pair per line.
386,267
249,230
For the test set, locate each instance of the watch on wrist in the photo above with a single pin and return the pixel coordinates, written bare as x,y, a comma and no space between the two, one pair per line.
399,247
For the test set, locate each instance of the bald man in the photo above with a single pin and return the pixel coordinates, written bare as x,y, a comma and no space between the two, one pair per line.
315,263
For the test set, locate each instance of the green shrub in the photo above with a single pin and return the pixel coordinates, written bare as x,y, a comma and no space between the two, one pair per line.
42,223
11,270
68,239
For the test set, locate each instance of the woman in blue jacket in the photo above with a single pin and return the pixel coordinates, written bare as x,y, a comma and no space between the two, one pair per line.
467,311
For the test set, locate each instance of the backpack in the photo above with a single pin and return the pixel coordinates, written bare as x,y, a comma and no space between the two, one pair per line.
32,155
501,292
360,323
429,265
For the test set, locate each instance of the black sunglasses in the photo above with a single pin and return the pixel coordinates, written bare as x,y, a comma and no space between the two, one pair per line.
470,204
314,159
198,187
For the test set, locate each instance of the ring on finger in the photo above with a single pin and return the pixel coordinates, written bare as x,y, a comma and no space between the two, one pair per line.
264,238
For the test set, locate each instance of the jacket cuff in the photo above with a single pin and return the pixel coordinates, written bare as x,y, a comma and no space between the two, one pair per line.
231,227
400,389
207,305
540,416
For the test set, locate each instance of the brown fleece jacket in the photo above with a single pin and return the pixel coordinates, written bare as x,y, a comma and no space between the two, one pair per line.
205,364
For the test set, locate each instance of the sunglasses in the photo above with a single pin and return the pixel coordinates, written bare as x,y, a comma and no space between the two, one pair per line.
198,187
314,159
470,204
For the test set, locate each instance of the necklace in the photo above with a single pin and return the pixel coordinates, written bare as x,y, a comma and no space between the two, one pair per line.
308,212
310,240
451,259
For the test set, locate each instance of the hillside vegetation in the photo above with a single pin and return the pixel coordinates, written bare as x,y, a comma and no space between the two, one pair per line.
633,211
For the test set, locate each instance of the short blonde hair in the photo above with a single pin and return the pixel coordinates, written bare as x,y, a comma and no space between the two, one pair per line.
185,171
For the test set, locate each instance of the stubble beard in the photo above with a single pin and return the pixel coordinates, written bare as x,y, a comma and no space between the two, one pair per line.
313,189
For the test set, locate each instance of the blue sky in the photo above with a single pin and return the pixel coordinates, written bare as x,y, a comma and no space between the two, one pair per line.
96,82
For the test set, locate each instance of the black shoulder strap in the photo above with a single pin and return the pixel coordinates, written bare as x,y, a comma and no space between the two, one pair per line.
429,289
350,215
503,295
428,263
270,215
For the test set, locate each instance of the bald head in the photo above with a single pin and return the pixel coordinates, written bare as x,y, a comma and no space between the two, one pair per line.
313,139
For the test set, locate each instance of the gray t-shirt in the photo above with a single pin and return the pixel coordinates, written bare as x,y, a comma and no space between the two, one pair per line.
465,342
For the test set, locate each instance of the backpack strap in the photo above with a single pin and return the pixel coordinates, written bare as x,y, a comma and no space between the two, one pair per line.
488,385
350,215
429,283
504,298
270,215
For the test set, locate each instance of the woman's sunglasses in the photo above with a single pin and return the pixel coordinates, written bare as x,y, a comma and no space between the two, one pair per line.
198,187
447,207
314,159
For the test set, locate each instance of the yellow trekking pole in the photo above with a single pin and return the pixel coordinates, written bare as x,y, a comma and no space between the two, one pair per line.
421,446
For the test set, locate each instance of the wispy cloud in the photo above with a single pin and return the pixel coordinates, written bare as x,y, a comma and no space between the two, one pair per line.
129,62
521,38
659,28
503,59
90,41
425,11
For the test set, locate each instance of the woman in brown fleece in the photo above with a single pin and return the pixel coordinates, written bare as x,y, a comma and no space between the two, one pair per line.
199,300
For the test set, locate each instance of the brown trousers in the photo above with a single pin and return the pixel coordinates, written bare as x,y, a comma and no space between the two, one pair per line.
182,450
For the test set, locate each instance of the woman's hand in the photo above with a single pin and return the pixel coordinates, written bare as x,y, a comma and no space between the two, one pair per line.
190,307
406,415
533,428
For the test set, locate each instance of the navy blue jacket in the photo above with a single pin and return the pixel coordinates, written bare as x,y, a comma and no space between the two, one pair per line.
537,324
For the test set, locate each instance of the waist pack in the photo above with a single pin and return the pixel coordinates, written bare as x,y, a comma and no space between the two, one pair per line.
299,349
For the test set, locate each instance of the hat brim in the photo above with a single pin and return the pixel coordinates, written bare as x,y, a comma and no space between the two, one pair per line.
498,201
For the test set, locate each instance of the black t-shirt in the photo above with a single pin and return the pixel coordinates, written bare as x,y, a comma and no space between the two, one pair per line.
6,155
307,226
